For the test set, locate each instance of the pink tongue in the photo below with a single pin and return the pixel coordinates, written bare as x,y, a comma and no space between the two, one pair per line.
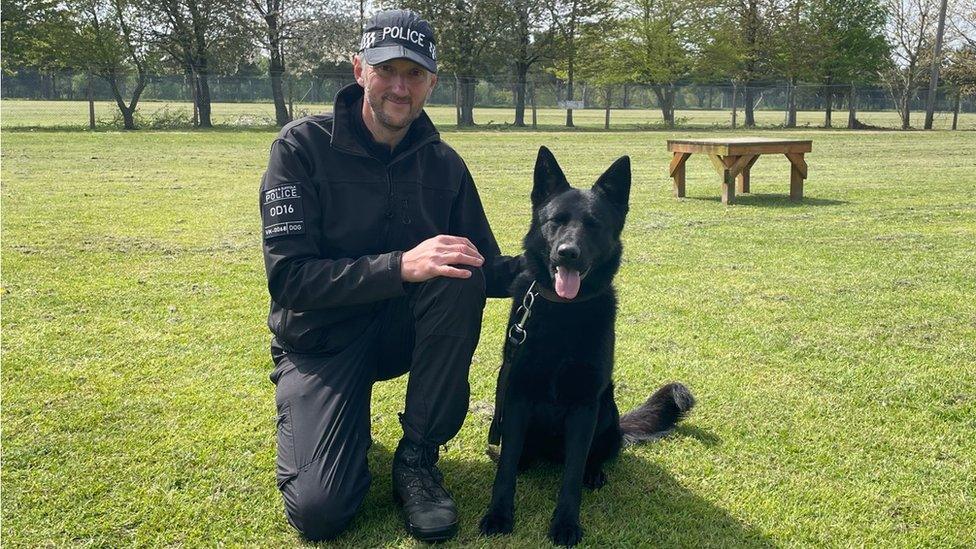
567,282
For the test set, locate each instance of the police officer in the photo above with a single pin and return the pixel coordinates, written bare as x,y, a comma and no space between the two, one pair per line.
379,259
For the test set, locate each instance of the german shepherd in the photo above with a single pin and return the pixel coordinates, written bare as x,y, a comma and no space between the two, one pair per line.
555,392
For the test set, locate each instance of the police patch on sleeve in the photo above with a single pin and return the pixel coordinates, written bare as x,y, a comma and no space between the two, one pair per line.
281,211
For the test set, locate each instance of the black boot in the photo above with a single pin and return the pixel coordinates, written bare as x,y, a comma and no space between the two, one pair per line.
418,487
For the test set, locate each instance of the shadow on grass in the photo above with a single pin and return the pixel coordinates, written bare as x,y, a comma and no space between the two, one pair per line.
772,200
708,439
642,505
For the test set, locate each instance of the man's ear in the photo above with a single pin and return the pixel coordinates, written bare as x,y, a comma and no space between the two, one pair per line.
357,70
430,90
549,178
615,183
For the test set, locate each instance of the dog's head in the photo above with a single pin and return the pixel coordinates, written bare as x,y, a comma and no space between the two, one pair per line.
573,245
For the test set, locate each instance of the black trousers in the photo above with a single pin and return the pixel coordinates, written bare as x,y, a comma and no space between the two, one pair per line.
323,400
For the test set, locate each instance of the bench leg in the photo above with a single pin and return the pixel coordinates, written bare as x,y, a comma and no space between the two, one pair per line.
728,188
743,179
679,181
796,184
798,172
678,173
742,182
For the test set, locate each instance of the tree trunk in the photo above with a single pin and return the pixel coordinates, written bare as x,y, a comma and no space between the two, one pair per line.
626,97
606,117
128,111
852,108
936,61
467,102
905,109
569,95
521,70
665,100
276,69
750,106
203,96
829,104
91,104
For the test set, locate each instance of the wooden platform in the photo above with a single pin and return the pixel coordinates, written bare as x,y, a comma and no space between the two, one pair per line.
734,157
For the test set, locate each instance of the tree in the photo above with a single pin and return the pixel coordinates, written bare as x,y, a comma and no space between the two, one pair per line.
530,42
35,34
721,53
191,31
283,21
603,62
322,47
657,46
960,76
850,47
753,21
909,30
793,56
113,42
571,18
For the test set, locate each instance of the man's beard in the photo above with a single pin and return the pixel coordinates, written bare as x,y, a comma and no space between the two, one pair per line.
386,120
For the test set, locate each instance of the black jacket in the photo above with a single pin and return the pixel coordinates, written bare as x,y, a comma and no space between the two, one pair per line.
338,213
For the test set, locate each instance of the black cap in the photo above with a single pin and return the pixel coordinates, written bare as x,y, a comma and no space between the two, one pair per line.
395,34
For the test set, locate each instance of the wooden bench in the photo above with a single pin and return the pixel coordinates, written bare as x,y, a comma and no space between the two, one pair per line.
734,157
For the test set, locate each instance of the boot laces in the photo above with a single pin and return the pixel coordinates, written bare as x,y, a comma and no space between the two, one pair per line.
427,478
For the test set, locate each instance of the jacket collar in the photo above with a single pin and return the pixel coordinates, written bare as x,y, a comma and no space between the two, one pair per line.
344,136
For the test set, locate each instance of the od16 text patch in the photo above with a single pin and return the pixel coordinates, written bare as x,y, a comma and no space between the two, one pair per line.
281,212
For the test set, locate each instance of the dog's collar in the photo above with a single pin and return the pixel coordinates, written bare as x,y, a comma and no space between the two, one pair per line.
550,295
517,333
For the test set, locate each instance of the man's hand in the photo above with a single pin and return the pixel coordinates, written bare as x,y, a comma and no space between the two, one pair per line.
433,257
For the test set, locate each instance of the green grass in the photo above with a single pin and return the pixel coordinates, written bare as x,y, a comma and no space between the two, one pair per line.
74,114
830,345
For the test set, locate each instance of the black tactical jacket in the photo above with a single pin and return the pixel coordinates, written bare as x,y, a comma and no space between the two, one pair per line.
337,216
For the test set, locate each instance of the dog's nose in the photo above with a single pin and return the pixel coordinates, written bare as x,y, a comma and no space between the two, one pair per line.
568,251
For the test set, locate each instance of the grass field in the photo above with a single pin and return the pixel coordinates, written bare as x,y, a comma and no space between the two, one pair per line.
74,114
831,345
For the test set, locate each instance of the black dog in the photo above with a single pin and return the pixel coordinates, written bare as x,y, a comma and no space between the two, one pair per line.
555,393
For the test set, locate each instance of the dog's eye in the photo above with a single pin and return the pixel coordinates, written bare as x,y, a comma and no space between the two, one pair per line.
560,219
591,222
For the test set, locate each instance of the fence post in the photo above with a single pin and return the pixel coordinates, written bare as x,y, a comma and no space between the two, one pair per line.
291,100
91,104
734,113
532,96
955,110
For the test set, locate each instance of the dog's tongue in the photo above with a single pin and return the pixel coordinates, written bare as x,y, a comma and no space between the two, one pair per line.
567,282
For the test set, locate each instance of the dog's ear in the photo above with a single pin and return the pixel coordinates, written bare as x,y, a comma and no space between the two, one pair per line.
549,178
615,183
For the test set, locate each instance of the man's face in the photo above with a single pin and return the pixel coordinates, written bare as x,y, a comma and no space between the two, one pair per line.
396,90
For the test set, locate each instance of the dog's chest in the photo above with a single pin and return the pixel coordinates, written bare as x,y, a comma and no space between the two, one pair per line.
564,360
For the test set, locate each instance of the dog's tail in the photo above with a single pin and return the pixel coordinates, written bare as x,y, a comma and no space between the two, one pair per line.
658,416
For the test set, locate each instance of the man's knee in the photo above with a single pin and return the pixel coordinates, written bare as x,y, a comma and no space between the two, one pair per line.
471,289
320,515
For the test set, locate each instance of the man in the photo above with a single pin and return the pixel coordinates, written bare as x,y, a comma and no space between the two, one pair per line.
379,259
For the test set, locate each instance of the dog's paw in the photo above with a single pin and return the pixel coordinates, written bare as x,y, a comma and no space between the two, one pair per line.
594,480
565,532
493,524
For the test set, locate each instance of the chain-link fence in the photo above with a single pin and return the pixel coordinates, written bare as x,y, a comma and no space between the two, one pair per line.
78,100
